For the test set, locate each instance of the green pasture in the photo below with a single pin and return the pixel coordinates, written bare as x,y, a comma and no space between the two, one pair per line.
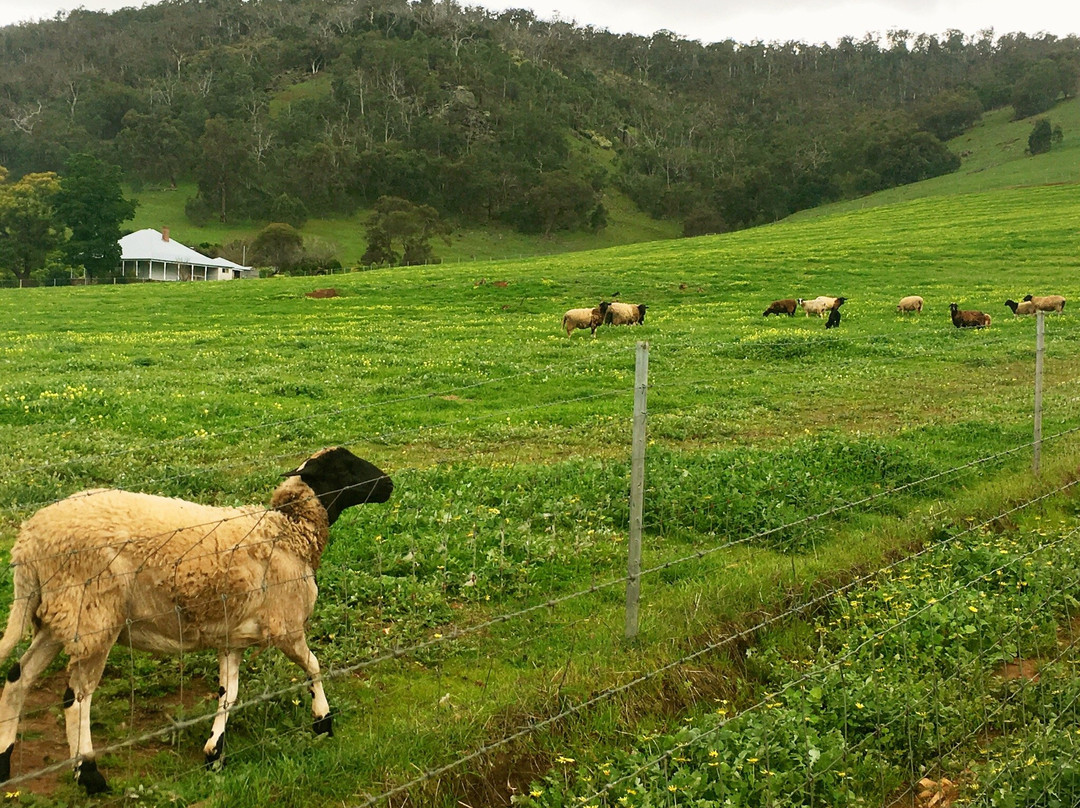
509,444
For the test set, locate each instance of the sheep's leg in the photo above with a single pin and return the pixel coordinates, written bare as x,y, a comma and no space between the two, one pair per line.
84,675
228,687
295,648
20,678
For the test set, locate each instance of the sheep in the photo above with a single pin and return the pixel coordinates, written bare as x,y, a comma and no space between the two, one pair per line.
625,314
584,318
1023,307
815,307
830,302
786,306
834,318
1047,302
968,319
909,304
170,576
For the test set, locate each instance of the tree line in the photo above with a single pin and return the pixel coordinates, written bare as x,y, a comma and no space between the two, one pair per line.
280,110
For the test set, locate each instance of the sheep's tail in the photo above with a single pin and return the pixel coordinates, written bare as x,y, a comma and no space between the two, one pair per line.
23,605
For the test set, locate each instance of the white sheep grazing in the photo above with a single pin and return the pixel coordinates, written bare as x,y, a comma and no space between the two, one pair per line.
625,314
171,576
584,318
909,304
815,307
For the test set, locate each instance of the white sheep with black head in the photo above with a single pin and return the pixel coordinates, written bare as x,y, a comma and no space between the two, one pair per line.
170,576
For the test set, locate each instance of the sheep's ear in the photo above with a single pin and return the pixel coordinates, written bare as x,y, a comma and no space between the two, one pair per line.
342,480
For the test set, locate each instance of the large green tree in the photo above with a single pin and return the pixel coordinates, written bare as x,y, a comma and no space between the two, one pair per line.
399,222
91,204
29,229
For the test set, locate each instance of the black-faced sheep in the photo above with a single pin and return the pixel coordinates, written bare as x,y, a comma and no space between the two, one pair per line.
1021,308
968,319
909,304
1047,302
786,306
584,318
170,576
625,314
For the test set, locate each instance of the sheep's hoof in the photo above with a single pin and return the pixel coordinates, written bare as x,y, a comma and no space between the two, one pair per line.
5,763
88,776
213,757
324,726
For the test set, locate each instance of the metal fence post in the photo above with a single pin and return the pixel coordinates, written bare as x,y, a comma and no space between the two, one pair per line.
1040,348
637,488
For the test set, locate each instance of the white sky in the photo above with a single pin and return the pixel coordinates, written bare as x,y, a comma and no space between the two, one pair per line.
813,21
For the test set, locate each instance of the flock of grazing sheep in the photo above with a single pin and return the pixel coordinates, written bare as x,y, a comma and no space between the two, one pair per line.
914,303
633,314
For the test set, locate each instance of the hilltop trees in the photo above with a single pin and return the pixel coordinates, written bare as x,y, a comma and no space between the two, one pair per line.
283,107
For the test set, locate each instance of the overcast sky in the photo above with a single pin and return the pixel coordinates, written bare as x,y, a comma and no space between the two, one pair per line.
813,21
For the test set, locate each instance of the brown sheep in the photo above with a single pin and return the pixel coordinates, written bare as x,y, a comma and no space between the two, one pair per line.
786,306
1047,302
169,576
968,319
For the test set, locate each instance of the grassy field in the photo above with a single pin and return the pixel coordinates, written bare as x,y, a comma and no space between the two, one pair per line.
509,445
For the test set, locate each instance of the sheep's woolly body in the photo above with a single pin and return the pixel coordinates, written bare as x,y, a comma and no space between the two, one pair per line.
217,582
1023,308
968,319
786,306
584,318
625,314
814,307
909,304
167,575
1054,303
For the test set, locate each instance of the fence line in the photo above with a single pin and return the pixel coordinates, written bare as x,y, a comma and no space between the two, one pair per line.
708,648
771,695
487,748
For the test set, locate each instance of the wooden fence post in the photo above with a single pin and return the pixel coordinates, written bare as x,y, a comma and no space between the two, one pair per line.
1040,349
637,488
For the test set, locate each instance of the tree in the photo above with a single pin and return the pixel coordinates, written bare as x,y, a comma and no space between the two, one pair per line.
398,221
29,230
278,245
224,165
1040,137
1037,90
91,203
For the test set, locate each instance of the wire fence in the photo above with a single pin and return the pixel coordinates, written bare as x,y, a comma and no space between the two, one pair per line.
203,541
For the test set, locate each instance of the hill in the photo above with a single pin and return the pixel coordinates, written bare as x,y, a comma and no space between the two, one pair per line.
993,157
288,110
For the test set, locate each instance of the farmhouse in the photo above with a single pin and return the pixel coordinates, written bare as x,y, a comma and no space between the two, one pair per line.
152,255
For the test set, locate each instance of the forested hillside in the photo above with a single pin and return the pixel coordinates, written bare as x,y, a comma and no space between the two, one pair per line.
283,109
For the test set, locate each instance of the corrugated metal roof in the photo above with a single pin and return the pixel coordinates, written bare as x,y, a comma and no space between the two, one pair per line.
148,245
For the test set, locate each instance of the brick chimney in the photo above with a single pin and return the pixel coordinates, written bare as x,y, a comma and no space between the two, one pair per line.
164,234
